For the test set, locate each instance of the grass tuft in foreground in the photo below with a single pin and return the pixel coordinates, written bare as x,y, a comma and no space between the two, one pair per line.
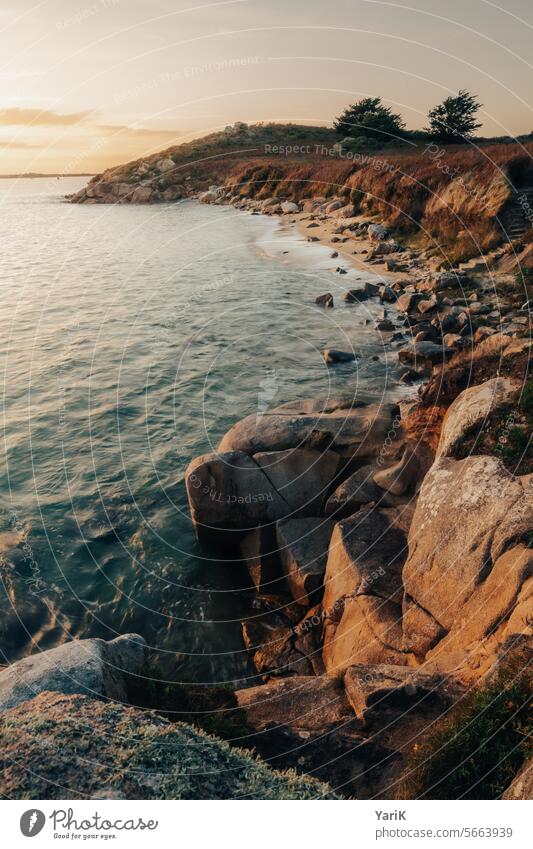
480,747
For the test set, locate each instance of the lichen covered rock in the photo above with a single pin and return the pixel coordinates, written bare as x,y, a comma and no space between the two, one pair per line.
93,667
47,744
468,514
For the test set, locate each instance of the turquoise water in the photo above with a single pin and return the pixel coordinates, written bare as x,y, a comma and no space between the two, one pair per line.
131,339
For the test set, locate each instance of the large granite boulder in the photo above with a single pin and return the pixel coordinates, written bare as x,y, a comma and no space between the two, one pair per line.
363,592
369,632
470,410
357,490
303,549
229,494
47,743
421,631
375,689
93,667
498,611
349,428
303,478
469,513
308,704
366,555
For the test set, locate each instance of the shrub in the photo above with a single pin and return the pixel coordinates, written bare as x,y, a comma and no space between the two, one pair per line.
480,747
369,118
360,144
213,707
98,750
453,120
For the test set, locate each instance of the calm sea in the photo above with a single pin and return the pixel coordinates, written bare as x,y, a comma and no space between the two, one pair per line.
131,339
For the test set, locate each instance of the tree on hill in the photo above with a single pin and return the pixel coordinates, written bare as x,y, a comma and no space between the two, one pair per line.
369,118
454,119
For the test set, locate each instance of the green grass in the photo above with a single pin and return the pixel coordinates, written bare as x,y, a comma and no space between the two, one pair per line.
516,451
213,708
480,748
513,443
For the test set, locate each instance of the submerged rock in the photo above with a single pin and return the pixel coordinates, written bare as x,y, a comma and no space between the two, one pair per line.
423,350
325,300
332,355
355,295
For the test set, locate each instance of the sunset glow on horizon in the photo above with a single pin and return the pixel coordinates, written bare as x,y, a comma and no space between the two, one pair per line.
89,84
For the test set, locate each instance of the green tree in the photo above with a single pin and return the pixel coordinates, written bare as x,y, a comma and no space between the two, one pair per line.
369,118
455,118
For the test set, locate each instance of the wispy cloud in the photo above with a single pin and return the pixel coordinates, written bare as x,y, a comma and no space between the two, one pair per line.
136,131
74,141
17,116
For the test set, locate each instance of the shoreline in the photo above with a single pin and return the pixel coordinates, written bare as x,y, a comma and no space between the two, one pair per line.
288,244
387,602
364,531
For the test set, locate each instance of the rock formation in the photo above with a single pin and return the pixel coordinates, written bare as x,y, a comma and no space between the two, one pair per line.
132,755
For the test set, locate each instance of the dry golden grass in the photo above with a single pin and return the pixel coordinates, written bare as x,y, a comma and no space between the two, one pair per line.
453,197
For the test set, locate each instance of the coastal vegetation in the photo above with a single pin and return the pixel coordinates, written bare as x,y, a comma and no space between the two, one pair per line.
132,755
210,707
454,120
370,122
457,200
370,119
475,751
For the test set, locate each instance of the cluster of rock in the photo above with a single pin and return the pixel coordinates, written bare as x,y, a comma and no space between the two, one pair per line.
389,570
68,707
145,181
447,311
387,575
437,312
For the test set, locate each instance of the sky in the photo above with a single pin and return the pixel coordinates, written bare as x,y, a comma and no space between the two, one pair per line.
88,84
